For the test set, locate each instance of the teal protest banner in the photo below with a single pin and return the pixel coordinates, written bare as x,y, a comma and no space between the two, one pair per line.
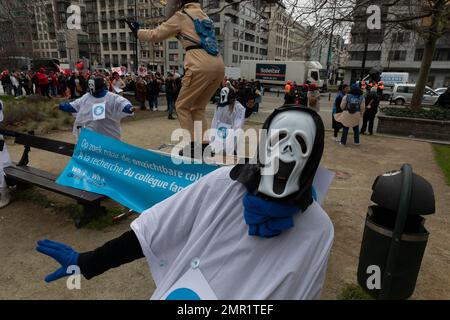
134,177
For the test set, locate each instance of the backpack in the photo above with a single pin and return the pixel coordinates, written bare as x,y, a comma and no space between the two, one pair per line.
353,103
205,30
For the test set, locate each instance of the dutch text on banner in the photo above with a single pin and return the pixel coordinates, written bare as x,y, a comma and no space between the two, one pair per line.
134,177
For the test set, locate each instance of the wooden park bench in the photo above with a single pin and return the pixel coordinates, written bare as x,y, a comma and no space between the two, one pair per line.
21,175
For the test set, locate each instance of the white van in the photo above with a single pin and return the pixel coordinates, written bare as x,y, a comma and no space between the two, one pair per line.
402,94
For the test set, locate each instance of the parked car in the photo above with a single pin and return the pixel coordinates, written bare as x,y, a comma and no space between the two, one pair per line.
403,93
440,91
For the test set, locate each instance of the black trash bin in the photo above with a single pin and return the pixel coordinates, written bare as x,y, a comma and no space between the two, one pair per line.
395,238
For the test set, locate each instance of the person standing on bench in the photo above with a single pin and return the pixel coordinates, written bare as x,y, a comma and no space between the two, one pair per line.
204,66
99,110
5,161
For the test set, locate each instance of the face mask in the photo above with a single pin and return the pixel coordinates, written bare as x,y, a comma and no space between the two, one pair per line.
289,143
224,95
96,86
91,85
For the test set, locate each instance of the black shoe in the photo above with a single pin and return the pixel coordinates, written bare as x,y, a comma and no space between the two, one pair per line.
171,117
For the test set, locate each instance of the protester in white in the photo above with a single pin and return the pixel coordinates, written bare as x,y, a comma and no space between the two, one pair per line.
228,120
235,234
5,161
99,110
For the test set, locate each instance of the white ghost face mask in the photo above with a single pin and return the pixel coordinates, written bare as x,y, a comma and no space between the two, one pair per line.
224,95
289,143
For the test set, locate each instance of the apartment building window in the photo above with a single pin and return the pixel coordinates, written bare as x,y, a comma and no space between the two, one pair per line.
241,47
442,55
115,59
371,55
113,24
236,33
113,46
173,44
107,60
124,59
418,55
173,57
246,48
401,37
213,4
235,46
397,55
215,17
235,58
123,46
252,49
249,37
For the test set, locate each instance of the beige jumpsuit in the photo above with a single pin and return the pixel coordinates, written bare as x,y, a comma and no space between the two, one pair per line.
203,72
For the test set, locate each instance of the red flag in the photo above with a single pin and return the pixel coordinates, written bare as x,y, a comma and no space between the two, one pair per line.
80,65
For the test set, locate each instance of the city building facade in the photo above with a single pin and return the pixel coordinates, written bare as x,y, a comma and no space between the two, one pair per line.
395,50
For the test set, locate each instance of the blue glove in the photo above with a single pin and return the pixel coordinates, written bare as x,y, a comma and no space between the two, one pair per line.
62,253
134,26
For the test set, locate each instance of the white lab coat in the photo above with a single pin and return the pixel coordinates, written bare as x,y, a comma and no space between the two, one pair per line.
110,125
234,121
205,224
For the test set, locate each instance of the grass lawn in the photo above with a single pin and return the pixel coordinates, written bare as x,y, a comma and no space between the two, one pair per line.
442,154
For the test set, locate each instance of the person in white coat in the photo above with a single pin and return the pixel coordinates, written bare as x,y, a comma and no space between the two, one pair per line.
227,124
239,233
99,110
5,161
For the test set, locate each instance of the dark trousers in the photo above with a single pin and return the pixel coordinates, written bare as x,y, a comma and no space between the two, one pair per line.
170,104
368,119
336,132
45,90
345,134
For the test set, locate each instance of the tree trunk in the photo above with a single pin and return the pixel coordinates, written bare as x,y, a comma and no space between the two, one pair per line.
427,59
